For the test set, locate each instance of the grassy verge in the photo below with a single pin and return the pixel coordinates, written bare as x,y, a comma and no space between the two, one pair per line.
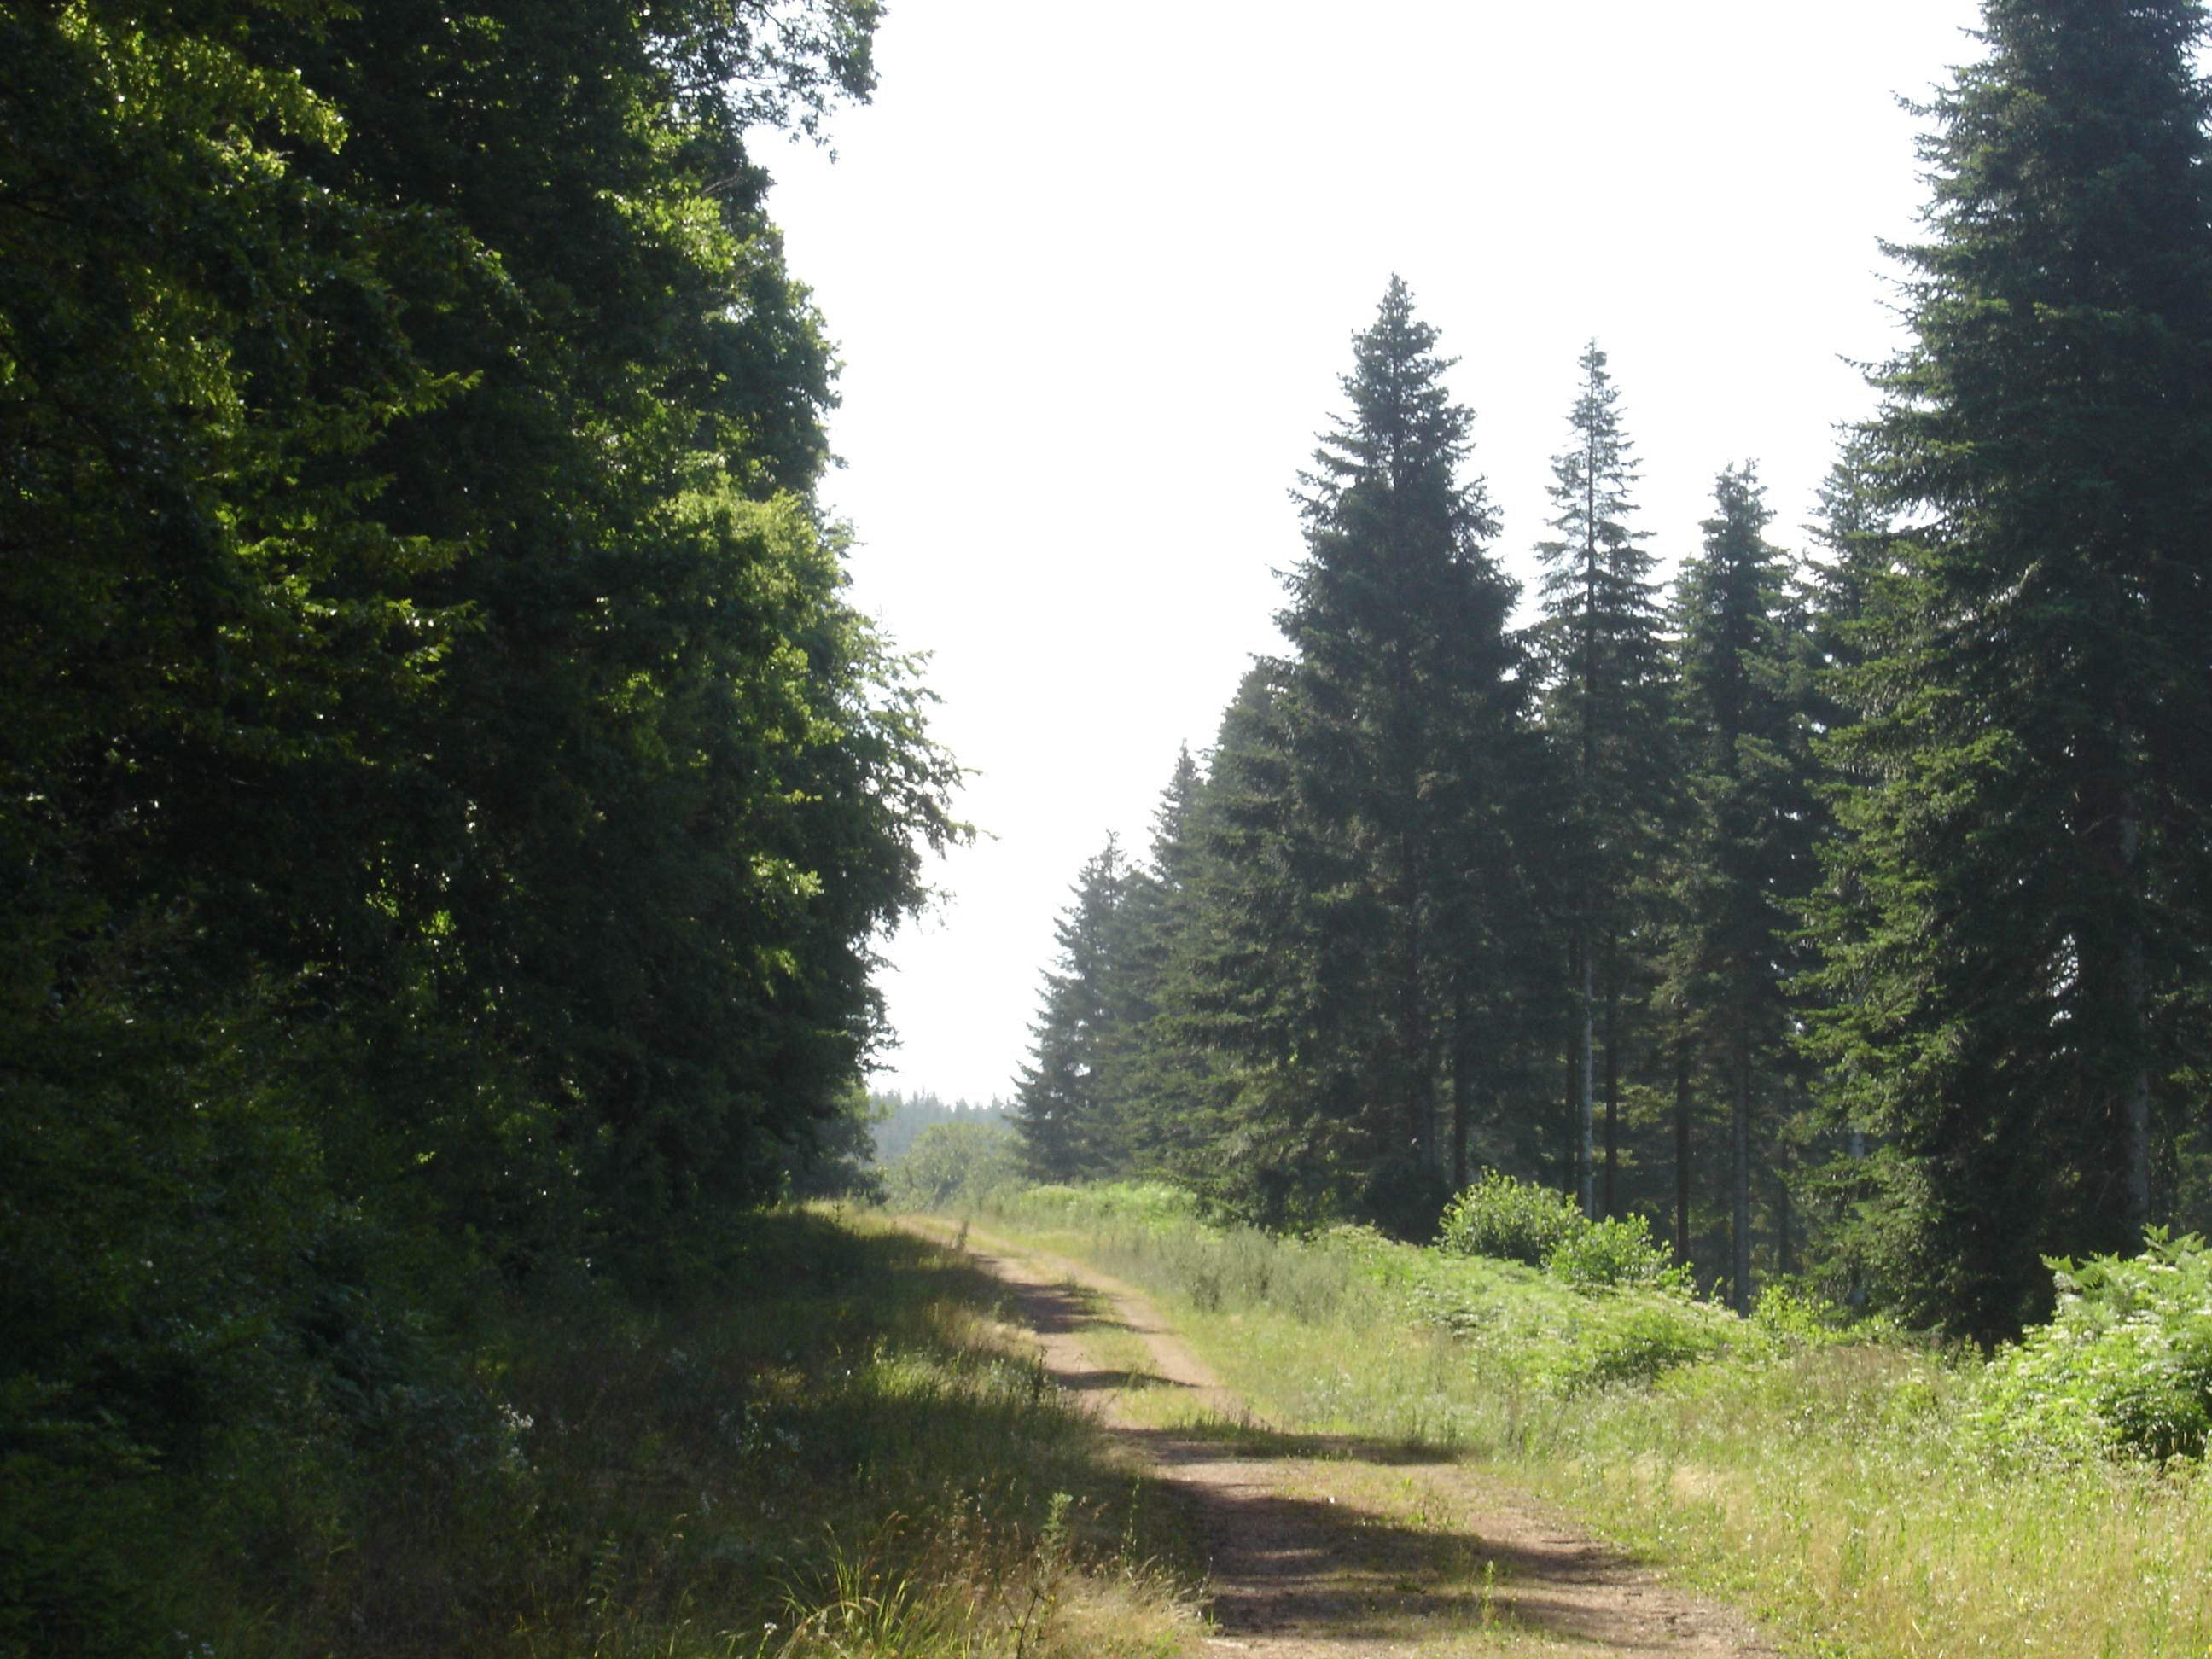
842,1452
1835,1487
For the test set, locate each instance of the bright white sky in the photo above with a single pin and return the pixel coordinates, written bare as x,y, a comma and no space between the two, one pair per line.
1094,271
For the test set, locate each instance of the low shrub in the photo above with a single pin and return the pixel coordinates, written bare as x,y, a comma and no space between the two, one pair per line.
1790,1314
1512,1220
1519,1221
1598,1255
2124,1367
1638,1344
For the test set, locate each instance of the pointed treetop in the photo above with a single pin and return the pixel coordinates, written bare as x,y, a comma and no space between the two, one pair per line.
1589,489
1402,431
1171,819
1727,599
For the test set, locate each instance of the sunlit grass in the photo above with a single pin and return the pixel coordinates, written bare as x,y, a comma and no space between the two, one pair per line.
1835,1489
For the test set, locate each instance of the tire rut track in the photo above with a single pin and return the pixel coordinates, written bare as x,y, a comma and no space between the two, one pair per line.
1331,1547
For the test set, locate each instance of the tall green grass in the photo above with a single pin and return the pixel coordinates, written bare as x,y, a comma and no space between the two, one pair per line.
839,1451
1843,1484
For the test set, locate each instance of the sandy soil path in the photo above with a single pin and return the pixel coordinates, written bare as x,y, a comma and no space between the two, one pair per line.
1327,1548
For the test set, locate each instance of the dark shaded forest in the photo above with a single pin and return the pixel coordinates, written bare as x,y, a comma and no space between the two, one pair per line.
1842,910
448,803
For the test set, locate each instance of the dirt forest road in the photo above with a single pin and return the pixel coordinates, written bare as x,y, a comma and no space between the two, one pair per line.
1323,1547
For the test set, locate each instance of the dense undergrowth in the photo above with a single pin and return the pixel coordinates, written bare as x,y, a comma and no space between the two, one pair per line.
839,1451
1870,1492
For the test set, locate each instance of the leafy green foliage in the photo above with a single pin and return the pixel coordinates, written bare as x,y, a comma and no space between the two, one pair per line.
448,804
898,1119
1511,1323
1615,1251
1513,1220
1795,1315
1508,1219
2124,1367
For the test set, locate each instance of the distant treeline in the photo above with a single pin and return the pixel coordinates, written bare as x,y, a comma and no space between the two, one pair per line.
896,1121
1849,908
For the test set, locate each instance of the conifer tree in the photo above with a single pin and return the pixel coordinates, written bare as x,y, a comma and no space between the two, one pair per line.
1228,1097
1749,851
1156,888
1399,699
2014,925
1159,1076
1065,1100
1605,707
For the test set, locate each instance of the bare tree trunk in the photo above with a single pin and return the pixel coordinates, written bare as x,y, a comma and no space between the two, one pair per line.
1781,1224
2136,1126
1682,1157
1568,1108
1587,1162
1740,1240
1855,1148
1611,1083
1463,1088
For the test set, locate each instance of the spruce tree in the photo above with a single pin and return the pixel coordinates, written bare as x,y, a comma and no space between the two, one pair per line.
1155,893
1400,699
1235,1097
1605,707
2014,925
1065,1100
1749,852
1154,1067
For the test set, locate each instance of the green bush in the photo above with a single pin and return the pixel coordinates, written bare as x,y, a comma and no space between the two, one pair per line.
1640,1343
1792,1315
1512,1220
2124,1368
1598,1255
1518,1221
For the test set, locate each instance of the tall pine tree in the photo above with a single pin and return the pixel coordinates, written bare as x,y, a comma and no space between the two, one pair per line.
1749,850
2015,925
1602,645
1400,700
1065,1102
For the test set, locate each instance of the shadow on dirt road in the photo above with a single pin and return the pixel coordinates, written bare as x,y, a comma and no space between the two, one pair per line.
1332,1546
